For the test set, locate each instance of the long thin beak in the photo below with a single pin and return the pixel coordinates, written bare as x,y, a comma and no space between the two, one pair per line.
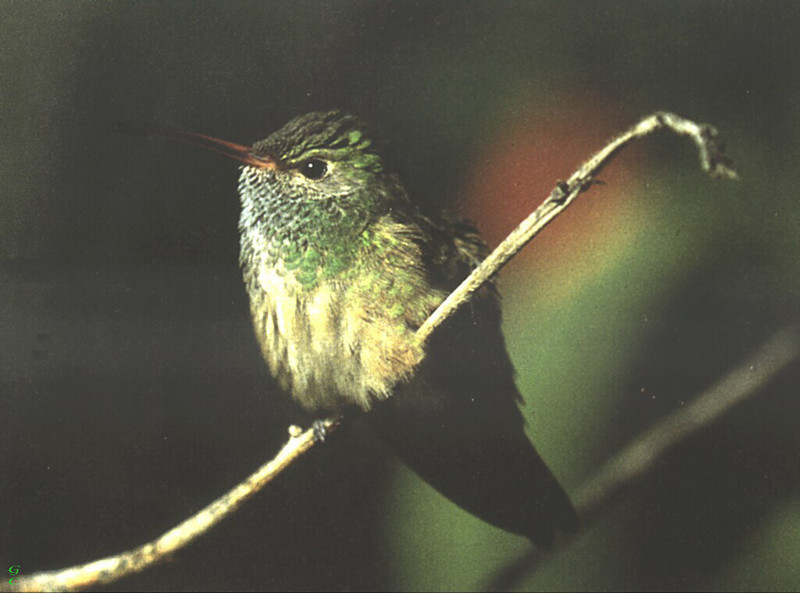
238,152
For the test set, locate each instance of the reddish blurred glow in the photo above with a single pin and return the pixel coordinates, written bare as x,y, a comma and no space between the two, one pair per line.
520,165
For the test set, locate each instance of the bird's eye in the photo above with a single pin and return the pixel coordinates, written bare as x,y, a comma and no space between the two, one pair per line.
314,168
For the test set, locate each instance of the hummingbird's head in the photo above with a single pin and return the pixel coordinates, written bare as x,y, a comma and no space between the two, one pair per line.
323,154
320,176
316,182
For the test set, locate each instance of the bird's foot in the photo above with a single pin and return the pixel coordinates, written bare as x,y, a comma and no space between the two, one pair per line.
320,431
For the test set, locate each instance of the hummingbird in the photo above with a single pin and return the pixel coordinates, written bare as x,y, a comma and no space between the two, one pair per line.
341,267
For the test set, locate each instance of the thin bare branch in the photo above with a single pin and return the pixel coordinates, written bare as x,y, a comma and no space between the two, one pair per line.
641,457
712,159
113,568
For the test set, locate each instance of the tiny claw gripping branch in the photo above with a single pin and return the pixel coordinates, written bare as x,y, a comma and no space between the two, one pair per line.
320,431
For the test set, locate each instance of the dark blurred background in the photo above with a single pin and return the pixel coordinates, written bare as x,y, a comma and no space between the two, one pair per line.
131,388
